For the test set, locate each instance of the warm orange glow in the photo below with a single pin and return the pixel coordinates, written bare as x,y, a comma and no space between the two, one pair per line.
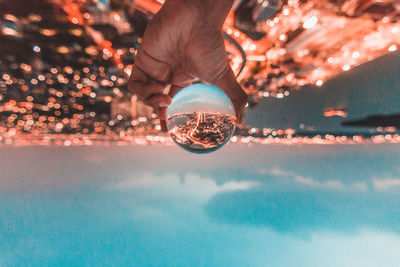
48,32
332,113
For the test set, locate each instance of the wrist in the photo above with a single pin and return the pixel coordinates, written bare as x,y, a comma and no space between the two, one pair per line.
211,12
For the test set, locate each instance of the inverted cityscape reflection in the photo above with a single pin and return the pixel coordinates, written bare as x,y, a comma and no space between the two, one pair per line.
201,118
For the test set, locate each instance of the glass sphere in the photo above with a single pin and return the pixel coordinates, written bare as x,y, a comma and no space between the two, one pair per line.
201,118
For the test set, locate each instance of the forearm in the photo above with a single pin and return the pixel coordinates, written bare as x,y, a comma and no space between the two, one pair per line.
213,11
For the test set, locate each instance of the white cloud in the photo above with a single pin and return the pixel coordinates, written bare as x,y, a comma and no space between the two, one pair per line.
386,184
348,250
278,172
309,181
145,180
191,185
325,184
237,186
306,180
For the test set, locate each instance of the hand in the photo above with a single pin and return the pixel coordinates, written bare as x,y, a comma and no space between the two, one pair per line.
182,42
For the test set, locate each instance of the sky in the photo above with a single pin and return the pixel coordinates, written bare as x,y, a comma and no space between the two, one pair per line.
370,89
200,97
310,205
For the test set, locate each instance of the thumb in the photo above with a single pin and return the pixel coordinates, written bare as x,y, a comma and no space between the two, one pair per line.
161,112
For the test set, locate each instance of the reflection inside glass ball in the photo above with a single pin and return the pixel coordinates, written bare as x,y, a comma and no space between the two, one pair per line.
201,118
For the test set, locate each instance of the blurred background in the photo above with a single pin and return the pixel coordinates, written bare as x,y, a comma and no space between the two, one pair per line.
322,69
310,179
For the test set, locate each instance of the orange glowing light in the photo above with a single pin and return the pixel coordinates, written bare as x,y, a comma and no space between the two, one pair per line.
333,113
48,32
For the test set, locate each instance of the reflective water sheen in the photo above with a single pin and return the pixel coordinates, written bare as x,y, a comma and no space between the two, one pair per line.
201,118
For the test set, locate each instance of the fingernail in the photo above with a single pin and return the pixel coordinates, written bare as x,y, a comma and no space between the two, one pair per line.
163,104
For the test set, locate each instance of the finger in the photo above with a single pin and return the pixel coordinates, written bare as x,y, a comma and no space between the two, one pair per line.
140,84
227,82
174,89
155,69
181,79
213,67
161,113
145,90
239,110
137,75
158,101
240,101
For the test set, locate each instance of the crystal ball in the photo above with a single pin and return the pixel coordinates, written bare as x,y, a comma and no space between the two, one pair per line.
201,118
